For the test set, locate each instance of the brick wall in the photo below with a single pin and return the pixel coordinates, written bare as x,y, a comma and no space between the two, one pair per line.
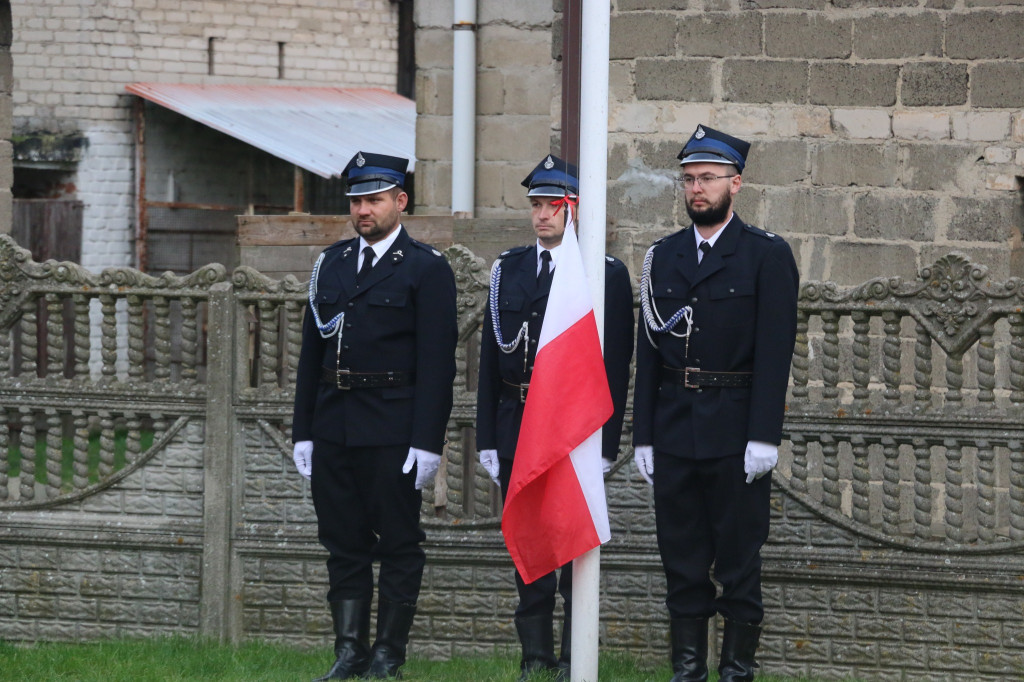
885,133
72,61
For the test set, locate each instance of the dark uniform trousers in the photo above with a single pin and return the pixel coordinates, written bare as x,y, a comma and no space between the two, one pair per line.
401,318
743,296
728,535
499,410
368,510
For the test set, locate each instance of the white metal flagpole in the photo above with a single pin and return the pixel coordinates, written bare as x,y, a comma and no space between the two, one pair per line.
593,168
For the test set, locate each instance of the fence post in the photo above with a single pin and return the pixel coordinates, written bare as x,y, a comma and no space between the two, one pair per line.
216,617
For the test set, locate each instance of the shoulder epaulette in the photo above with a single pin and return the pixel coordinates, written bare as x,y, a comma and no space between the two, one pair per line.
661,239
759,232
514,251
425,247
338,244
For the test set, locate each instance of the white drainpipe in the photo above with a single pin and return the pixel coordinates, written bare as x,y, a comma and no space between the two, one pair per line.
464,110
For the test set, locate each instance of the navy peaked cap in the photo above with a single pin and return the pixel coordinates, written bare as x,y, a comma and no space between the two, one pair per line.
552,177
708,145
369,173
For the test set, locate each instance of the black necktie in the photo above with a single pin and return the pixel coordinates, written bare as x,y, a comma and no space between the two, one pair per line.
544,276
367,264
705,248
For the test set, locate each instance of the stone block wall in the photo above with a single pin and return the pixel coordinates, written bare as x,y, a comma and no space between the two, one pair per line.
6,79
880,133
71,61
883,133
516,102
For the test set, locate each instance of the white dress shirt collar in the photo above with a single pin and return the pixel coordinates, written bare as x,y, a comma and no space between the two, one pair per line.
554,255
714,237
380,248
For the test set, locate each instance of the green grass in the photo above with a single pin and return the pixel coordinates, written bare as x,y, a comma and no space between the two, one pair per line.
179,659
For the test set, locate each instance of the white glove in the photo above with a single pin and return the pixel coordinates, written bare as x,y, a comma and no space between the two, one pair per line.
643,457
606,465
303,456
426,466
759,459
489,461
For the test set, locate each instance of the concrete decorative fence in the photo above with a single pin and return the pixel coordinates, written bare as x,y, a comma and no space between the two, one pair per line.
146,483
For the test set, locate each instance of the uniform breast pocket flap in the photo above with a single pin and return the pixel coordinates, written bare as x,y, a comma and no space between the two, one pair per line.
720,290
512,303
387,299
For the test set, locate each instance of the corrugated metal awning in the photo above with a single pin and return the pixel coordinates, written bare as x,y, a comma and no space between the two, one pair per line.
315,128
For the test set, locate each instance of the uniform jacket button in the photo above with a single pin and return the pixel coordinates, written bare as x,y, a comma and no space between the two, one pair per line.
349,304
693,300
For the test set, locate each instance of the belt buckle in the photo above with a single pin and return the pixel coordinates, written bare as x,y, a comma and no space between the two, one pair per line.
523,388
686,377
337,379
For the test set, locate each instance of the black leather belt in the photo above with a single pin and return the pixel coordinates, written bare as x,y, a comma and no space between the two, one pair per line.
694,377
514,391
344,379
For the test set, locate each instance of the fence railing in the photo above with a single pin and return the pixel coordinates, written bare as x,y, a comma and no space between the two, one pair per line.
144,422
904,418
95,369
906,414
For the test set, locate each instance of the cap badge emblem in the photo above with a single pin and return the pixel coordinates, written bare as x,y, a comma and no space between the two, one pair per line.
699,134
360,161
549,163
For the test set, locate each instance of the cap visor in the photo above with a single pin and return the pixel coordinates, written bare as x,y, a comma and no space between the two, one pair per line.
549,191
371,187
705,157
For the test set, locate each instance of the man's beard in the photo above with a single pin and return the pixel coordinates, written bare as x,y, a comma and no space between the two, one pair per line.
380,229
713,214
374,232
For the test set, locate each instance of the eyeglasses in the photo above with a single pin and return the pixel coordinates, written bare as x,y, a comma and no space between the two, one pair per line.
702,180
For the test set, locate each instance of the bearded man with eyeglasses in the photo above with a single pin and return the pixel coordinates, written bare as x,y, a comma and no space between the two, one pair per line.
714,347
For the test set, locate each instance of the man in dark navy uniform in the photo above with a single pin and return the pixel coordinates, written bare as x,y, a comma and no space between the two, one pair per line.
372,400
520,282
714,346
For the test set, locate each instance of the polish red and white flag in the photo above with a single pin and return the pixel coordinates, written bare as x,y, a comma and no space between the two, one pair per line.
555,509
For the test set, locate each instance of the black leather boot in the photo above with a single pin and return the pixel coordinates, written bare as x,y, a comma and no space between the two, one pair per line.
538,645
739,643
565,656
689,649
351,639
394,620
